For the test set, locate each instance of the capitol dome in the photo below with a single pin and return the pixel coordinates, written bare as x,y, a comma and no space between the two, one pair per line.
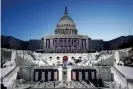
66,20
66,25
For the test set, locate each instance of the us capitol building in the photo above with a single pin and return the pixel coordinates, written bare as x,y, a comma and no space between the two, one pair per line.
69,66
66,38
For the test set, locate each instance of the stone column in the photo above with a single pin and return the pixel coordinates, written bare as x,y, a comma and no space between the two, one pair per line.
74,75
60,74
55,75
43,75
59,31
69,74
36,76
92,75
86,76
80,75
32,74
49,75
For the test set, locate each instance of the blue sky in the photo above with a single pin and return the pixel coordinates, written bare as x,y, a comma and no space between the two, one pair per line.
99,19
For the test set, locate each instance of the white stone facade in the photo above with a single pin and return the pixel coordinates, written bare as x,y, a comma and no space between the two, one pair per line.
66,43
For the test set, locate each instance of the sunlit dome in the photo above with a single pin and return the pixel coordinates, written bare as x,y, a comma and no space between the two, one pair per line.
66,25
66,20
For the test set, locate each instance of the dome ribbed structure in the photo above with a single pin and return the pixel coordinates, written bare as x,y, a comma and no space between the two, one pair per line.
66,25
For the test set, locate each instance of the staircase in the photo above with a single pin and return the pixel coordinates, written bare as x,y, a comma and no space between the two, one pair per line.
98,56
31,55
117,71
106,61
